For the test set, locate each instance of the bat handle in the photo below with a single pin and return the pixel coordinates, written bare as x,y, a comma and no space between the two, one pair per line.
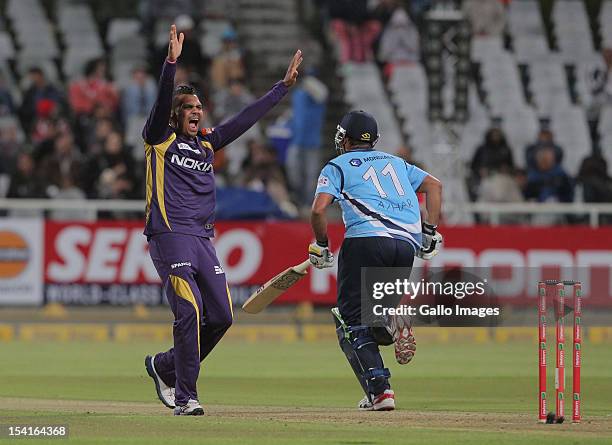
302,267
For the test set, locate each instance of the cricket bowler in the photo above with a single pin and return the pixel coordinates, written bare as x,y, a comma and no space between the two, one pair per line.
180,203
376,192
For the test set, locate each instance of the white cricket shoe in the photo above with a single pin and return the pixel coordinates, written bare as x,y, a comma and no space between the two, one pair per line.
165,393
193,408
381,402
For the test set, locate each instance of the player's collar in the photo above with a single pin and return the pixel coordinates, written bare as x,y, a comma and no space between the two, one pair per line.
361,149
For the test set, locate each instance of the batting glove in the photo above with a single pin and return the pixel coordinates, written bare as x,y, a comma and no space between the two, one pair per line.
431,242
320,255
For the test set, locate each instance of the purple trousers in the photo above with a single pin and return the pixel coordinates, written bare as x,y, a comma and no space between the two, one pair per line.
195,286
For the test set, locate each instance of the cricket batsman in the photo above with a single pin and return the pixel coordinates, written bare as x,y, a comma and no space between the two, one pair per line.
180,203
376,192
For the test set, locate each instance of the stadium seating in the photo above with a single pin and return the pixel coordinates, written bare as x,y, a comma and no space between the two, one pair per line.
80,35
549,85
571,131
364,90
605,129
525,25
121,28
606,24
211,32
572,30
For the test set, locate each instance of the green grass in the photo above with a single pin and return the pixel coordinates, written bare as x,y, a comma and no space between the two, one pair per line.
305,392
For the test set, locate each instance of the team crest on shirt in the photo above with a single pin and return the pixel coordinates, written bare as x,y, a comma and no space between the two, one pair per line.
183,146
355,162
323,181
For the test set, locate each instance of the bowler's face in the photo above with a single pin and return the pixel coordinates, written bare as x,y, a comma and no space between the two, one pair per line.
190,114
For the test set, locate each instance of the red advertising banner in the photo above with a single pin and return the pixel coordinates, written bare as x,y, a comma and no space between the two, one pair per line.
110,260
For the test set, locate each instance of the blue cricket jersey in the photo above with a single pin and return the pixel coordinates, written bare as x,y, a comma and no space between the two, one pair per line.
376,192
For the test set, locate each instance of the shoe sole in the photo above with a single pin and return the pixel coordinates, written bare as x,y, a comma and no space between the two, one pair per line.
385,408
405,344
386,404
153,375
195,412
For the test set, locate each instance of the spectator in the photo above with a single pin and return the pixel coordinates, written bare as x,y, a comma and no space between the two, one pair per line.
231,100
44,137
399,43
548,182
93,90
191,57
10,142
545,139
493,155
25,182
228,64
40,100
103,128
501,187
228,102
7,104
594,178
138,96
487,17
384,10
354,28
308,104
47,114
263,173
64,161
107,174
418,8
67,189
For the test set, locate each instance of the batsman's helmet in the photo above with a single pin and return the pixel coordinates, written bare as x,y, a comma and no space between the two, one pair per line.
359,126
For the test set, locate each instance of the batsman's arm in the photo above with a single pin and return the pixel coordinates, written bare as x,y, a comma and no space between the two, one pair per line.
318,218
432,188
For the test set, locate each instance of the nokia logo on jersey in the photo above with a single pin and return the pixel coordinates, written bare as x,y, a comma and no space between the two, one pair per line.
193,164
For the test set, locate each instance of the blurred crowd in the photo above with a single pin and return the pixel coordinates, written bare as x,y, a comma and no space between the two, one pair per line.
494,176
80,138
387,32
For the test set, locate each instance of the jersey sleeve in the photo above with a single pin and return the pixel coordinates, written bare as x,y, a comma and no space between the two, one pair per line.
415,175
330,181
156,129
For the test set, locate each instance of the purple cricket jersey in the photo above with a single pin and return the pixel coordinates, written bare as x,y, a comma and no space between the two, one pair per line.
180,182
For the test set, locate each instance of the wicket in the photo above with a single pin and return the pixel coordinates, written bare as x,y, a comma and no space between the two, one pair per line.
559,416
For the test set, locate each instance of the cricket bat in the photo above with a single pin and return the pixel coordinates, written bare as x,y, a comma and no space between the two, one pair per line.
273,289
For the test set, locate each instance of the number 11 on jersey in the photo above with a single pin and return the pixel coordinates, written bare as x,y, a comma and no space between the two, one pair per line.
387,171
